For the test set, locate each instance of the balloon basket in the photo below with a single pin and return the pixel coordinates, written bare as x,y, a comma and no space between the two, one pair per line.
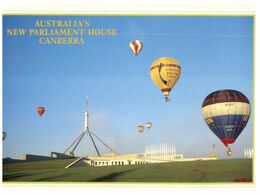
229,152
167,99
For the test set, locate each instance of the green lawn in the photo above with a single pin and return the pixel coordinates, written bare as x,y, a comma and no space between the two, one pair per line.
196,171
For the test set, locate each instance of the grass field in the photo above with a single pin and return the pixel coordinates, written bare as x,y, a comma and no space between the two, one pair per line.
194,171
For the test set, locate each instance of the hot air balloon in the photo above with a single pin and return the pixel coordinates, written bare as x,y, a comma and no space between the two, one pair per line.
140,128
136,46
40,110
148,125
4,135
226,112
165,72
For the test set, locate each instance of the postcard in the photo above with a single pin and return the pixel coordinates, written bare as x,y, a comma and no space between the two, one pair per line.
128,98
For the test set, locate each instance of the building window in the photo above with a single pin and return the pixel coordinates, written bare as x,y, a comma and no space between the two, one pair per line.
122,162
95,163
115,163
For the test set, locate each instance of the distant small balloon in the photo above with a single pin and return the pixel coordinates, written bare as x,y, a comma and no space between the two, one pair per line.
40,110
149,125
140,128
4,135
136,46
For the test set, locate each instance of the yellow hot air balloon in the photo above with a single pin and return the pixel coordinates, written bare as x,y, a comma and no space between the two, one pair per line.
165,72
148,125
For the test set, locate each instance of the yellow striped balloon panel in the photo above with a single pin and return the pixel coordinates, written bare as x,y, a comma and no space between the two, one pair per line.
226,112
165,72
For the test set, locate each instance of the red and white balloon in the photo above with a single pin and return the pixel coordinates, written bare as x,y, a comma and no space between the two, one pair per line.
136,46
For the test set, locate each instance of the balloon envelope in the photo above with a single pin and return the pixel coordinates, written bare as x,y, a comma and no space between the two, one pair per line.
165,72
136,46
149,125
140,128
4,135
226,113
40,110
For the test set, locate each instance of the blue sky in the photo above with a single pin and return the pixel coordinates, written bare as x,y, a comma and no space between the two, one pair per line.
214,53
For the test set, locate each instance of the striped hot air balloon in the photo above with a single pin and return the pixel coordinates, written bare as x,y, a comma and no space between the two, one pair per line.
136,46
226,112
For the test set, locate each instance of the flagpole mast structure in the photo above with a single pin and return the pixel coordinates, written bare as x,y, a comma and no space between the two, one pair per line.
87,130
